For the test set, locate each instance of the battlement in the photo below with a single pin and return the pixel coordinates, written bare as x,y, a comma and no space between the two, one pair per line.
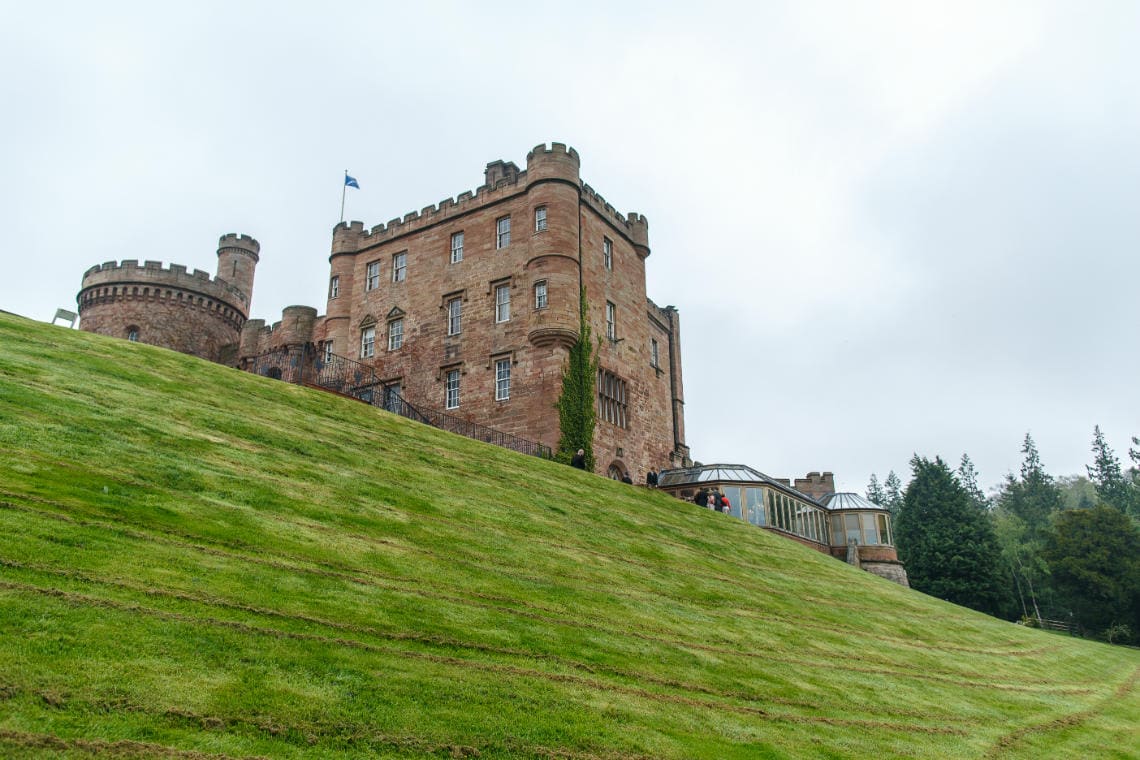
502,179
635,225
241,242
176,276
556,149
429,215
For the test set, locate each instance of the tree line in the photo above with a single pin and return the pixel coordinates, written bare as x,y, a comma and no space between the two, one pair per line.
1040,550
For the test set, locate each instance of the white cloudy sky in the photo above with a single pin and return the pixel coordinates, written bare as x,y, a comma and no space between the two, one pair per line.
889,227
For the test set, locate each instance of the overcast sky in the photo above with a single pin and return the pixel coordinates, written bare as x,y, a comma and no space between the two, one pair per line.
889,227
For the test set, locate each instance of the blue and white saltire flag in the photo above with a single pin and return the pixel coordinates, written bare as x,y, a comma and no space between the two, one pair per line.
351,182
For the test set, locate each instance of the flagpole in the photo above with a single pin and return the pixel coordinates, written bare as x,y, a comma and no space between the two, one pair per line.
343,191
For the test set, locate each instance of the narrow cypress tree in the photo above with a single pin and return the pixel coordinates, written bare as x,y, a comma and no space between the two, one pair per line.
576,412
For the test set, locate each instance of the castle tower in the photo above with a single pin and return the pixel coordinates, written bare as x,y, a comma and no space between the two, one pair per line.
237,260
171,307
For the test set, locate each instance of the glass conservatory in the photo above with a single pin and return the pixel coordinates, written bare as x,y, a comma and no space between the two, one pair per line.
755,498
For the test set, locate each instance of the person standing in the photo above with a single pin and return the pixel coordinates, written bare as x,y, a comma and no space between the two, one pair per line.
651,478
579,459
702,498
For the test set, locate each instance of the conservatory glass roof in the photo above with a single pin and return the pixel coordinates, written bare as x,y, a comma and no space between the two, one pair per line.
837,501
712,473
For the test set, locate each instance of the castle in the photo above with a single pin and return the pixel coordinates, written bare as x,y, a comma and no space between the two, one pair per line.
470,306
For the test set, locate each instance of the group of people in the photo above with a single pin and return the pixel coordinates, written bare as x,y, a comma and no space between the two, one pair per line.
713,500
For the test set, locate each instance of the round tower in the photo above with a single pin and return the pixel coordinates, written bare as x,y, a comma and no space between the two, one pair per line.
171,307
297,325
555,162
552,183
346,242
237,260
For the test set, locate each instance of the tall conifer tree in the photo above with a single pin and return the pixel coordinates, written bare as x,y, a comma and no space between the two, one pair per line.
1113,488
946,542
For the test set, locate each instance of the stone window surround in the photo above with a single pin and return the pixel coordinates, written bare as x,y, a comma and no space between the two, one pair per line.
372,275
451,387
457,250
400,266
502,364
502,232
395,333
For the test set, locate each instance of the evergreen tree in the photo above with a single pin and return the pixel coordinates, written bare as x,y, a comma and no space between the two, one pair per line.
1113,488
968,477
892,494
576,411
1034,498
875,491
1024,509
1094,555
1134,455
946,542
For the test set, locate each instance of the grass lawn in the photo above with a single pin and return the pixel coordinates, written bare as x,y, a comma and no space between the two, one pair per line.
196,562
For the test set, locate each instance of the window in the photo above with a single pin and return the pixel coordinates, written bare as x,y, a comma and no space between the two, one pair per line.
395,334
611,321
334,287
654,357
502,379
452,389
454,316
456,247
503,232
503,303
372,276
540,295
400,266
328,352
540,219
608,253
133,334
612,406
367,341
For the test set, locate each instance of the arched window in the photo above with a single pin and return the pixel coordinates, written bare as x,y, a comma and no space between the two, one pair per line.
616,470
133,333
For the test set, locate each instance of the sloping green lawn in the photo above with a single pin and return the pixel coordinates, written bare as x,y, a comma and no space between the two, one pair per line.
197,562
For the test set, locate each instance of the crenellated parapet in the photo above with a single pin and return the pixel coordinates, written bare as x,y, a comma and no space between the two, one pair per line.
351,236
129,277
634,225
503,179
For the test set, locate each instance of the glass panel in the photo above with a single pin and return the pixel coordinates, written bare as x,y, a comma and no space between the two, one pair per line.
870,533
836,527
754,506
884,530
852,524
733,494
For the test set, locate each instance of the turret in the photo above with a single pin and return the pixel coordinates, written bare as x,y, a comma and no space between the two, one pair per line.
555,162
237,260
639,233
